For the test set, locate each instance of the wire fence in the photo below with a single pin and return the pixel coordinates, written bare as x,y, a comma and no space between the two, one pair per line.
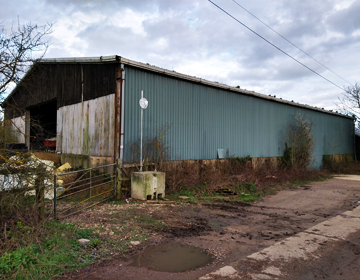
81,189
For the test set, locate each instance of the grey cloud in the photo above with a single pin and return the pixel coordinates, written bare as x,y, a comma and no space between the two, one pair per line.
259,74
288,70
306,11
24,10
115,5
321,97
196,31
108,40
176,32
347,20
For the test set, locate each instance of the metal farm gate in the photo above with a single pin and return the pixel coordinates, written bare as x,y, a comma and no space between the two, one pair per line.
83,189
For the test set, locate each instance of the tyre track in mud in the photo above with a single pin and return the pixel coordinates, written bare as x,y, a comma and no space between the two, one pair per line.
233,230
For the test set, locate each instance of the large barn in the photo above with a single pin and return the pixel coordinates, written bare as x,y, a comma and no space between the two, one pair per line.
91,106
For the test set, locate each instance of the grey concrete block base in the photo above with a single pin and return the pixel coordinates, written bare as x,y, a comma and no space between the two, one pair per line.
148,185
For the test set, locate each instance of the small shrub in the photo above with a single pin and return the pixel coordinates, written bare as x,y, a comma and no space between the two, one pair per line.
187,193
84,233
299,143
95,242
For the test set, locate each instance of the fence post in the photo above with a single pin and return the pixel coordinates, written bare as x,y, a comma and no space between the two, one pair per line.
54,196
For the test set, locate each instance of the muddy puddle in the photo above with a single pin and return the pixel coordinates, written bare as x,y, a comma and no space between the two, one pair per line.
172,257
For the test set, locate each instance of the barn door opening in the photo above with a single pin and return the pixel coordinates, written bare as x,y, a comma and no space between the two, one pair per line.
43,126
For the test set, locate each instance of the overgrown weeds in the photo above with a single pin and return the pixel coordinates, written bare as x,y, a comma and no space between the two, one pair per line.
21,174
247,191
205,178
341,164
22,230
42,250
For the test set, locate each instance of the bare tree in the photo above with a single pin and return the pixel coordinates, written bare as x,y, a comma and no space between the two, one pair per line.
20,47
350,101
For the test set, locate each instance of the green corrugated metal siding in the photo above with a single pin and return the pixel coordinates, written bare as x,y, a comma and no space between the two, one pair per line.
205,119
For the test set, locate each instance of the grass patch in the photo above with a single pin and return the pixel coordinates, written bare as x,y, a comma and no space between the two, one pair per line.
247,192
193,193
52,248
46,251
148,221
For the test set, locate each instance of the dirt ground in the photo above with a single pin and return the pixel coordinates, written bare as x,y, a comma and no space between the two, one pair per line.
230,231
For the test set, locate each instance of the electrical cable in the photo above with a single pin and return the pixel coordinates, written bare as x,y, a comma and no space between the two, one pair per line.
275,45
290,42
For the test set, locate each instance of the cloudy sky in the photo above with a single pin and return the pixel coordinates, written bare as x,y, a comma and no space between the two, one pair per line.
196,38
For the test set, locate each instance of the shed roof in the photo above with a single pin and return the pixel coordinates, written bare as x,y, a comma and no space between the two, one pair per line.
146,66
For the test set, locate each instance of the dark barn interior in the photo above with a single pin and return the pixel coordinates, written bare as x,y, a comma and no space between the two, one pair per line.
43,123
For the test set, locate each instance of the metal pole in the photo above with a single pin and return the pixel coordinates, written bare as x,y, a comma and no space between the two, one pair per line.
54,196
141,135
122,122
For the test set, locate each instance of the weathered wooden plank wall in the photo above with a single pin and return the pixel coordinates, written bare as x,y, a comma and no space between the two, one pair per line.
87,128
18,127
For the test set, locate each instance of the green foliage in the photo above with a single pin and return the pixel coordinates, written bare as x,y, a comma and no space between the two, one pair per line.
84,233
247,191
95,242
250,186
52,251
148,221
199,190
187,193
287,155
22,228
23,257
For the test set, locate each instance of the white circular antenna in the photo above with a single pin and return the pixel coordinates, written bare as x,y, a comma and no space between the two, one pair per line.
143,103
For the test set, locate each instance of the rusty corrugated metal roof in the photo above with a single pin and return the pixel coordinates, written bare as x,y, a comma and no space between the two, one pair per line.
146,66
